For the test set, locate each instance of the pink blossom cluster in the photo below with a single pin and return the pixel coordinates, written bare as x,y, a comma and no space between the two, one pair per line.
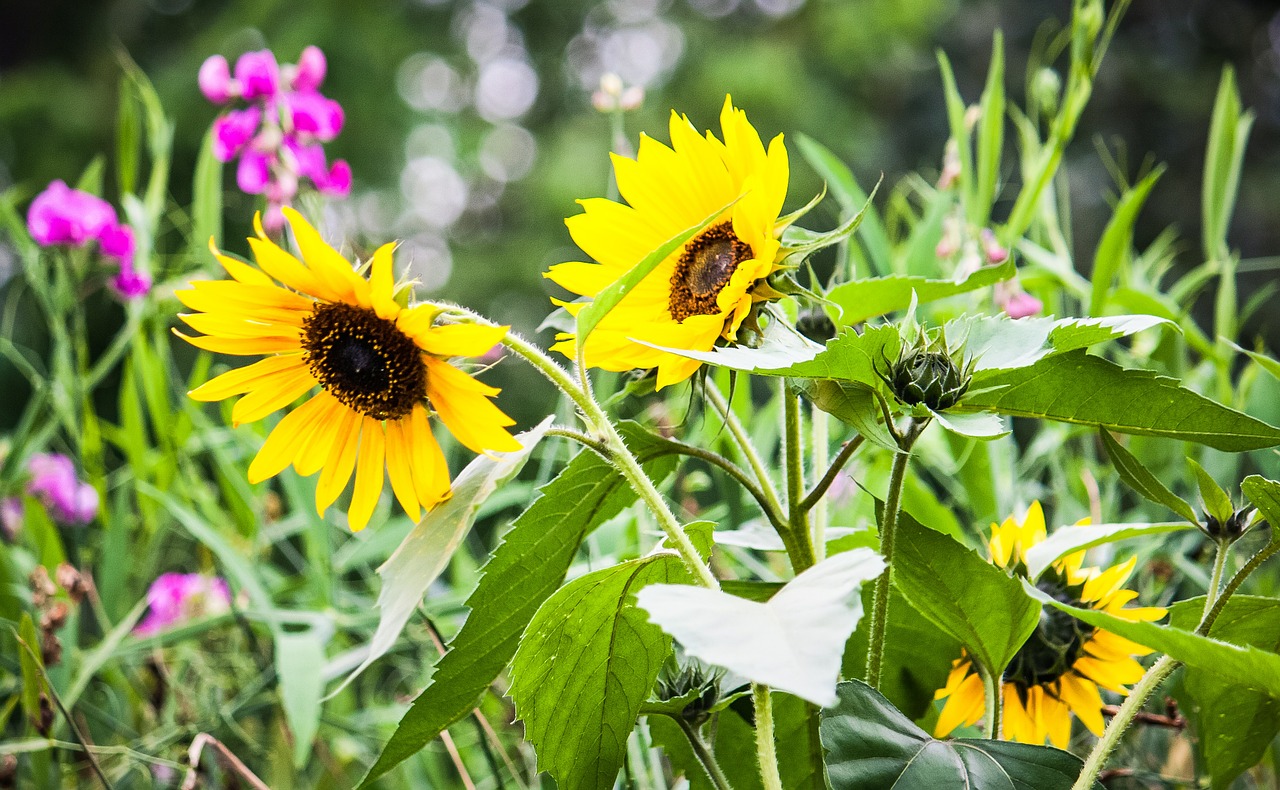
175,598
54,482
61,215
279,137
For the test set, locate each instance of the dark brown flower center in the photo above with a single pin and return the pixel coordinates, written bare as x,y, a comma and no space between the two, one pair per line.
364,361
1055,645
704,269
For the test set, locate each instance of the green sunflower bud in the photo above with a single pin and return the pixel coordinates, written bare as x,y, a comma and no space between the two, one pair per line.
1240,522
816,325
685,677
932,378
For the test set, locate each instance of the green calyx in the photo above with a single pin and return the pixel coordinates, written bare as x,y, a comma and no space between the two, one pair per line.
692,682
929,377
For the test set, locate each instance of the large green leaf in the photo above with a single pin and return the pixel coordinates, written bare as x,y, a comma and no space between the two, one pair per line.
792,642
1235,725
1243,666
1068,540
586,663
1001,343
524,570
872,746
427,549
795,726
1080,388
1265,496
852,403
875,296
963,594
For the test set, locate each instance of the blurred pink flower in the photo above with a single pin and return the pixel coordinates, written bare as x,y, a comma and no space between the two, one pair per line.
312,115
258,75
254,171
215,80
54,482
11,513
117,242
175,598
62,215
310,71
1023,304
233,131
131,283
991,248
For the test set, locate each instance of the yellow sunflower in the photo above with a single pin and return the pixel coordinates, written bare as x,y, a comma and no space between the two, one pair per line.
1064,662
381,369
701,293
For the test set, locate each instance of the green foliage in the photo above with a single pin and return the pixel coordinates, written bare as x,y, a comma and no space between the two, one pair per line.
871,746
1141,480
1068,540
586,662
969,598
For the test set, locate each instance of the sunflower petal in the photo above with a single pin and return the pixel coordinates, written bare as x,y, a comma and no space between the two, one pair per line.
466,410
400,468
274,392
278,450
427,461
460,340
341,461
242,380
369,466
327,263
382,287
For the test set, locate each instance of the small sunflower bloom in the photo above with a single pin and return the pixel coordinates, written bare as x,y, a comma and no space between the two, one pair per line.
703,292
382,370
1064,663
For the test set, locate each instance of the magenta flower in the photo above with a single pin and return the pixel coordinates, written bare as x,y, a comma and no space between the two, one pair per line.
215,80
1021,305
233,132
310,71
175,598
131,283
62,215
54,482
314,116
116,241
258,75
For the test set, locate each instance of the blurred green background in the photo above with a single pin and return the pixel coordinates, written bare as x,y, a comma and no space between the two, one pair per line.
470,128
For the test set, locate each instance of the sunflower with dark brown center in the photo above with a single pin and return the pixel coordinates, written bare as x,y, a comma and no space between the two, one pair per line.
1059,670
381,368
701,294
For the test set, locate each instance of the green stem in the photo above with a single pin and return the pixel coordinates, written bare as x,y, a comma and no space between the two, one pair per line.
1215,580
888,532
1133,703
703,753
748,449
992,688
733,470
799,543
819,429
842,457
1249,567
618,452
766,751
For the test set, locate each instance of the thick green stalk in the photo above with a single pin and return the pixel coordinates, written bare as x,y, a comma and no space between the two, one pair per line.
704,754
766,751
1215,580
819,429
619,454
798,541
1133,703
992,686
888,533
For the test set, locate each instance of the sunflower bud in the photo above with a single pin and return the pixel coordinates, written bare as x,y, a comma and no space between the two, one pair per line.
1240,522
932,378
687,677
816,325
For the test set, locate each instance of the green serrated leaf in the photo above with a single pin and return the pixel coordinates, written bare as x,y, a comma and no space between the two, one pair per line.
1217,502
427,549
1234,725
1265,496
795,723
862,299
1088,390
985,426
1141,480
1243,666
963,594
792,643
1068,540
1001,343
872,746
586,663
524,570
853,404
608,298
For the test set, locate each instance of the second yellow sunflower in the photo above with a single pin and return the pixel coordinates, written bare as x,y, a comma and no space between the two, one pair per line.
381,368
703,292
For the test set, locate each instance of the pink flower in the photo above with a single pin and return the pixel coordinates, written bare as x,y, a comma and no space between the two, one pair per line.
992,249
54,482
1023,304
310,70
254,172
11,513
215,80
131,283
175,598
338,180
313,115
273,219
233,131
62,215
117,241
258,74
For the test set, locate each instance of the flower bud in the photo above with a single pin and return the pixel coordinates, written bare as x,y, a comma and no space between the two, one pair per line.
931,378
310,70
258,75
1046,87
685,677
215,80
816,325
1240,522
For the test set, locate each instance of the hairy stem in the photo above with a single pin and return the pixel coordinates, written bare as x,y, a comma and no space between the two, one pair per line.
1249,567
819,428
766,751
799,544
1215,579
888,532
748,449
822,486
1133,703
992,688
734,471
704,754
